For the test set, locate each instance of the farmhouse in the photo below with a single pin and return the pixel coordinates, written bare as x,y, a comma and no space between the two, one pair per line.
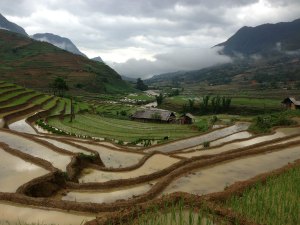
154,115
291,103
186,118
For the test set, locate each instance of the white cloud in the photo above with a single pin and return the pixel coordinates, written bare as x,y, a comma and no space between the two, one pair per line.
177,59
142,34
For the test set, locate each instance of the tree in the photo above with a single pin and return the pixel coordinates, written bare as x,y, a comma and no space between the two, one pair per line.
191,104
59,86
159,99
140,85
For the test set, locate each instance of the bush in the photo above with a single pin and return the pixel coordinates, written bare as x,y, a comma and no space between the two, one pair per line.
206,144
263,124
203,125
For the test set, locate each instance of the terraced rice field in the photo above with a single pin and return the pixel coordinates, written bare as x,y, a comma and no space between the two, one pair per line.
124,130
54,179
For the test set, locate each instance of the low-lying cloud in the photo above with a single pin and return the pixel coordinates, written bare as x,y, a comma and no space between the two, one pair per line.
176,60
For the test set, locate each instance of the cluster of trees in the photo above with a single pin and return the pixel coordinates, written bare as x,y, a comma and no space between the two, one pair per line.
140,85
216,104
59,86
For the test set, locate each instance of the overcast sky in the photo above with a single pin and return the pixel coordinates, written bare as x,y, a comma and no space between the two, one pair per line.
140,38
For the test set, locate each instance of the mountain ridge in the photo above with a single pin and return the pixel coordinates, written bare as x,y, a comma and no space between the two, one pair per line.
265,39
7,25
58,41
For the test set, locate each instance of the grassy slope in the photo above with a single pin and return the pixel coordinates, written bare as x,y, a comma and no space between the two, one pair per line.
25,61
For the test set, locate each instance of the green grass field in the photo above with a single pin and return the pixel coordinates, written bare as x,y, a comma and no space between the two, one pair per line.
256,102
274,203
114,109
125,130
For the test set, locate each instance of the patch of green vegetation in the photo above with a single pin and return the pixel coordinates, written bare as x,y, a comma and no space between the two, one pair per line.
264,123
176,213
256,102
115,110
50,104
274,202
203,125
8,96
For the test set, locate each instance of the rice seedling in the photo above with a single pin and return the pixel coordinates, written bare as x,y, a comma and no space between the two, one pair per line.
171,214
275,202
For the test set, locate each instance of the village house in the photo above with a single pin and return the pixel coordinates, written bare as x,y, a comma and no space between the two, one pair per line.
291,103
186,118
154,115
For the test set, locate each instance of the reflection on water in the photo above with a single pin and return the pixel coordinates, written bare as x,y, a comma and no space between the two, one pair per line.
18,214
15,172
22,126
114,158
59,161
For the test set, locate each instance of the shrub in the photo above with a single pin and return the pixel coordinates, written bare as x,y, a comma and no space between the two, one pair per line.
206,144
203,125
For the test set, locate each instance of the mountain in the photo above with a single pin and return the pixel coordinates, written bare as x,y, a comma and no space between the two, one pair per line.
97,59
58,41
36,64
270,53
7,25
266,39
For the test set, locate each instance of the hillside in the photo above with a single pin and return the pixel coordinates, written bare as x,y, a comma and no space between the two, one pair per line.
58,41
241,72
7,25
266,39
35,64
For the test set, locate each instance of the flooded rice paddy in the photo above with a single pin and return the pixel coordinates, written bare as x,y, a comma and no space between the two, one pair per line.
155,163
108,196
15,172
217,177
279,133
65,146
199,140
233,137
114,158
22,126
25,145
